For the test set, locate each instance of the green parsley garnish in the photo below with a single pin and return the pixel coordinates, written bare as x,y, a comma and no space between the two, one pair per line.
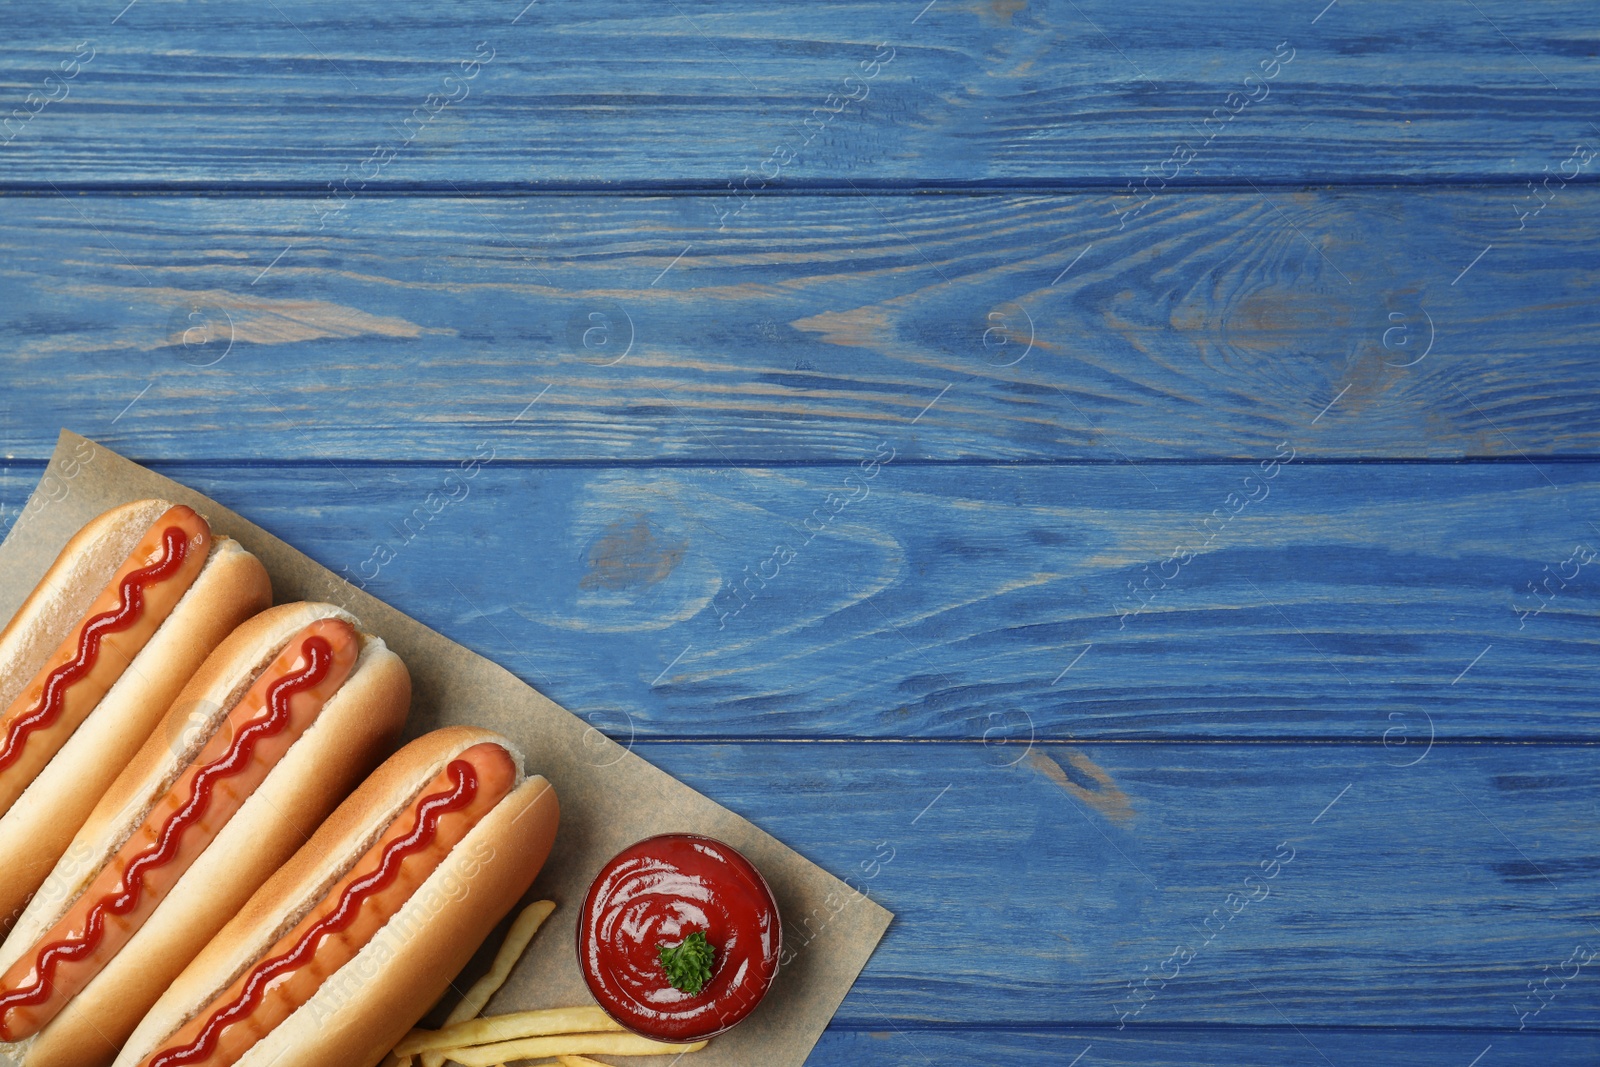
688,964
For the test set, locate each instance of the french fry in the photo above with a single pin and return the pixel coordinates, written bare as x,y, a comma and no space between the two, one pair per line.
511,949
531,1048
578,1061
392,1060
516,1025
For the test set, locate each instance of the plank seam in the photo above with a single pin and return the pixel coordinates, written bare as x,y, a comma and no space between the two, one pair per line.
38,463
888,187
1560,741
1020,1027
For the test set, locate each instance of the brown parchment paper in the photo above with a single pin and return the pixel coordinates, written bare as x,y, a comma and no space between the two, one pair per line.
609,796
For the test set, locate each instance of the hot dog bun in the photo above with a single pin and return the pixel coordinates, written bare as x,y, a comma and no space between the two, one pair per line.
231,587
357,726
364,1007
84,564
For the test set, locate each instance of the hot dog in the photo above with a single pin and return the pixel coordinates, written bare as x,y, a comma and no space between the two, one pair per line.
278,725
382,907
127,613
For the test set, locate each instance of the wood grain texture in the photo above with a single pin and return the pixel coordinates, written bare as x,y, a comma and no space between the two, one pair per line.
552,323
909,1046
1018,328
1074,90
1354,601
1385,895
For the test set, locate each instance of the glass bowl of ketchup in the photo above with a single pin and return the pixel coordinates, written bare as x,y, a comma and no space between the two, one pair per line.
638,946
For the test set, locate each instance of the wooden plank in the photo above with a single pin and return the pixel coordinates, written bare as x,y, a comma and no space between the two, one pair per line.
1378,603
1075,90
883,1045
1384,896
1373,323
1403,905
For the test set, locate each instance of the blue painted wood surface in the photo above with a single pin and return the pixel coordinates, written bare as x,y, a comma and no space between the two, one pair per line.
950,601
1045,92
1209,325
910,472
1282,1046
1347,887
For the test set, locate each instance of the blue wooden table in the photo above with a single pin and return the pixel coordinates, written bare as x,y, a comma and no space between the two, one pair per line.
1120,479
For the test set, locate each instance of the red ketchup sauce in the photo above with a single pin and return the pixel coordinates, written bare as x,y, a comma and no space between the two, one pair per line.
464,782
175,546
318,654
658,892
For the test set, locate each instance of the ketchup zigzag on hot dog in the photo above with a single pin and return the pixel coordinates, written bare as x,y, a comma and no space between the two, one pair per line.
278,725
343,950
131,607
